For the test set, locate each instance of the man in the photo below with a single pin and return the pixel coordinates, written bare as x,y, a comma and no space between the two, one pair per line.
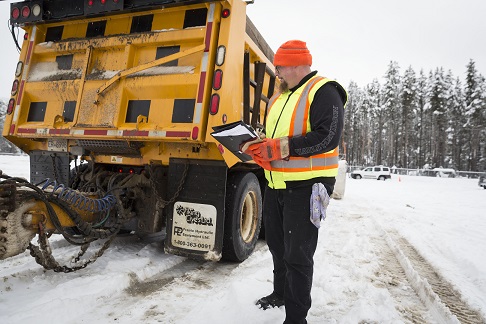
303,130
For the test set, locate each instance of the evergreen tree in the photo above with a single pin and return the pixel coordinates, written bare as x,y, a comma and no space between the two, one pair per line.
420,123
391,104
377,120
438,100
474,114
352,123
456,134
409,104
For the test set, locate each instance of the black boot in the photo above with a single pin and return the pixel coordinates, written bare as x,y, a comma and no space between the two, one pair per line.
272,300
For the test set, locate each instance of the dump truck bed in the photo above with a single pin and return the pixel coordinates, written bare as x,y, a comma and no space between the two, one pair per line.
136,87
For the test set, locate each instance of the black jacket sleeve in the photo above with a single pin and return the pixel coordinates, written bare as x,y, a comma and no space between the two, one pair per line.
326,119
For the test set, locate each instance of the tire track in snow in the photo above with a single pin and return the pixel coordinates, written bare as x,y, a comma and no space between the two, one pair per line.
435,293
393,277
444,291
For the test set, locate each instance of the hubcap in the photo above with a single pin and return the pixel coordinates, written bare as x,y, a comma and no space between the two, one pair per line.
248,217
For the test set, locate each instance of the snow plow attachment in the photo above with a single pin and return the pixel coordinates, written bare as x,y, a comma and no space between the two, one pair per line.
27,210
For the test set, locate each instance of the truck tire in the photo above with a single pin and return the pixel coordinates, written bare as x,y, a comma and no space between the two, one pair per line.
243,216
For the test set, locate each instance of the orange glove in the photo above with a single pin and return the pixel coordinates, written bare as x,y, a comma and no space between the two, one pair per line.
270,149
264,164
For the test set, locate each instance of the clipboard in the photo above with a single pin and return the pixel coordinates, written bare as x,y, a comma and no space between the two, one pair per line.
233,135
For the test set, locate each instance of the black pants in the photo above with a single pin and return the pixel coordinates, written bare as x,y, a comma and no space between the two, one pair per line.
292,240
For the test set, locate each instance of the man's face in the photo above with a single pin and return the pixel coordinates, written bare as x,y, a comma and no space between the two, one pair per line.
284,74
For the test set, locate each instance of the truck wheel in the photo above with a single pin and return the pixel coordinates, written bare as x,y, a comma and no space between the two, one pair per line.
243,216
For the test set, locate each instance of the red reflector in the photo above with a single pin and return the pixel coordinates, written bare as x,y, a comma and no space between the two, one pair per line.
224,119
11,105
15,87
221,148
90,3
217,79
131,171
25,11
15,13
26,36
213,110
103,1
195,133
120,170
225,13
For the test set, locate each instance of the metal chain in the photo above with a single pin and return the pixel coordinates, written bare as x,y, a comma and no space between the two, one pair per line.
43,254
163,202
54,168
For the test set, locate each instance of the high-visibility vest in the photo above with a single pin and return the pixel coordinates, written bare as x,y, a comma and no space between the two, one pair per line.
294,121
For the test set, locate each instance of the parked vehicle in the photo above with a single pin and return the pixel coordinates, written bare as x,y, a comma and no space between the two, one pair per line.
378,172
482,181
440,172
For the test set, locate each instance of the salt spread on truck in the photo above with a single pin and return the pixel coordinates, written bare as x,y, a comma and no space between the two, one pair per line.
114,101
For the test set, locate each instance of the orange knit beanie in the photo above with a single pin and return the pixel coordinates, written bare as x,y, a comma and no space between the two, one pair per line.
292,53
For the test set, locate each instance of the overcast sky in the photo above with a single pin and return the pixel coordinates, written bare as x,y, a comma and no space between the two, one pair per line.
352,39
356,39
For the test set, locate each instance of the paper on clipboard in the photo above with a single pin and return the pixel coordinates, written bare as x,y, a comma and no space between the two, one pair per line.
234,135
238,130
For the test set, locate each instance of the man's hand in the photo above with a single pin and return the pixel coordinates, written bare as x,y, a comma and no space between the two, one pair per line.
264,164
269,149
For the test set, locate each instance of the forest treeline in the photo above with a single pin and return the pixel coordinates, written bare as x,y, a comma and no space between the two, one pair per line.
416,120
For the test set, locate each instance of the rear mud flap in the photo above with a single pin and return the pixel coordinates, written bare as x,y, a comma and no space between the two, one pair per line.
195,221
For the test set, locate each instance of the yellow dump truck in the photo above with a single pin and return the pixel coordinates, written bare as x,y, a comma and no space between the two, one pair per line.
114,101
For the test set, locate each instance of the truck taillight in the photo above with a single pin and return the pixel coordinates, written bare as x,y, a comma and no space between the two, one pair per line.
11,105
25,11
103,2
90,2
225,13
195,133
213,110
15,13
220,54
15,87
217,79
18,69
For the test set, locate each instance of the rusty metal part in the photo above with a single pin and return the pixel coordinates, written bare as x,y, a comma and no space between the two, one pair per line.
14,236
43,254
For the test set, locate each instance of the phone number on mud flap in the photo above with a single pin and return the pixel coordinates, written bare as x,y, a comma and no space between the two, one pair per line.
193,245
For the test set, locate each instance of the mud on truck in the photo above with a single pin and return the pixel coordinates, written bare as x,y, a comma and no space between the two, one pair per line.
114,101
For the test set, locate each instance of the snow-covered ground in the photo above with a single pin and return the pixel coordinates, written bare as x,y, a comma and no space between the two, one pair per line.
386,254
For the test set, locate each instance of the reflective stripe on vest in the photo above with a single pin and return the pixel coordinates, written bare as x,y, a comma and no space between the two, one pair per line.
324,161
